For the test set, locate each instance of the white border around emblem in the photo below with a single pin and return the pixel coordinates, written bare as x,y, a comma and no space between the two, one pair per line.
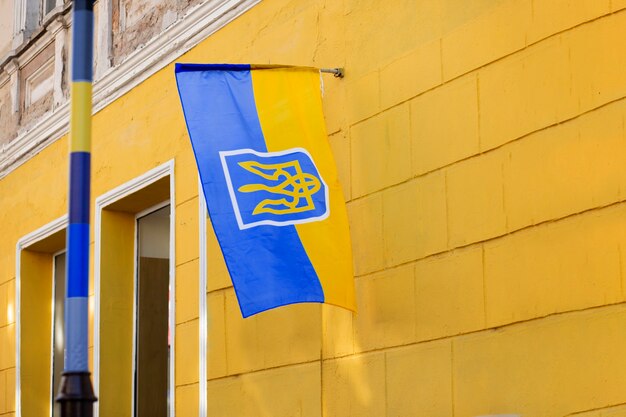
233,197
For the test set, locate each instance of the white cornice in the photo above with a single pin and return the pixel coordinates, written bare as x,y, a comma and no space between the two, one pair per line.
179,38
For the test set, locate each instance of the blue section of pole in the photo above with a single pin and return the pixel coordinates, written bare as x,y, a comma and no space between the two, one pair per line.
76,394
76,316
80,168
79,197
82,44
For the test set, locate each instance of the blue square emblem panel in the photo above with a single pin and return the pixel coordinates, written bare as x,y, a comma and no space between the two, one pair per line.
274,188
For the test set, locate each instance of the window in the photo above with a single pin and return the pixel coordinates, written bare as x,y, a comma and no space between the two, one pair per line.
48,6
134,287
40,291
152,296
58,325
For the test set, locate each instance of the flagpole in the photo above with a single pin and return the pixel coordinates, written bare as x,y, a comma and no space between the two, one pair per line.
76,395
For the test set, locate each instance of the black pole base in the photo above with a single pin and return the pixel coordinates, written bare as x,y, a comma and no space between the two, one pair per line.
76,395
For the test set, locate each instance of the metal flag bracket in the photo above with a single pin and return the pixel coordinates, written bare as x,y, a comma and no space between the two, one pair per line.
337,72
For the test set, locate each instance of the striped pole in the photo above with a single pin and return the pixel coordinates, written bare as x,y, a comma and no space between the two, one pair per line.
76,392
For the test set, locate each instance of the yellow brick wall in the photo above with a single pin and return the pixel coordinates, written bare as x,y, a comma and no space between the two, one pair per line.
481,148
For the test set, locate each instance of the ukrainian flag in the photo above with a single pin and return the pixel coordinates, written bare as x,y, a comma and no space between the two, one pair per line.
270,182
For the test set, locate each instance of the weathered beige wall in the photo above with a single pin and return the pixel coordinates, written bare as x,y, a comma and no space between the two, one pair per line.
6,26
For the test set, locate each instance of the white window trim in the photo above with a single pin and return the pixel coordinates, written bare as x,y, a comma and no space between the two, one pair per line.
52,324
26,241
202,305
37,86
126,189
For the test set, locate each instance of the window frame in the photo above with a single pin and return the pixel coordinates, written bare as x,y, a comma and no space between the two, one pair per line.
53,325
23,244
139,215
127,189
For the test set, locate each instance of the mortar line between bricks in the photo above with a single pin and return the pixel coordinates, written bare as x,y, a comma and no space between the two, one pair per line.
421,342
188,384
270,368
483,66
180,203
188,321
501,146
502,236
6,325
451,337
219,289
604,407
187,262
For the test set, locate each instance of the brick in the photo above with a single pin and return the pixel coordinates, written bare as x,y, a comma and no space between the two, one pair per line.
10,389
333,106
187,400
187,292
381,151
444,125
242,346
7,265
283,392
187,241
186,353
186,173
419,381
525,92
3,392
340,146
449,294
290,334
386,315
494,33
410,75
475,199
454,16
617,5
598,74
4,304
217,273
337,331
619,411
302,30
342,397
7,343
287,335
566,169
362,96
366,229
568,265
550,17
367,45
216,335
414,220
579,356
331,37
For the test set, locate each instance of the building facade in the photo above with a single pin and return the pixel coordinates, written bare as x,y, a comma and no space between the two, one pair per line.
480,145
